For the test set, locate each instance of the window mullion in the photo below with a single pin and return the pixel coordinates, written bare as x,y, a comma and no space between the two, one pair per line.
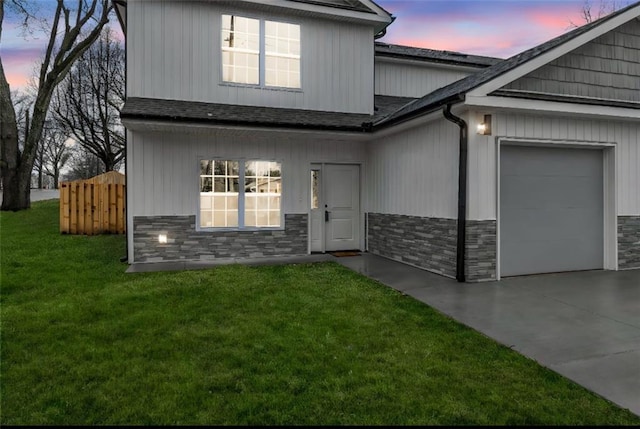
241,168
262,61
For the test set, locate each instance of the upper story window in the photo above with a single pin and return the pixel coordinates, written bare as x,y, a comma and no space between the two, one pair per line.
260,52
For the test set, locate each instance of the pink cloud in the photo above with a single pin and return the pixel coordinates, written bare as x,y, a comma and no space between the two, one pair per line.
558,22
17,80
20,64
494,28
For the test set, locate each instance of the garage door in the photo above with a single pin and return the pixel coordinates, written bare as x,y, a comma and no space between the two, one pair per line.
551,210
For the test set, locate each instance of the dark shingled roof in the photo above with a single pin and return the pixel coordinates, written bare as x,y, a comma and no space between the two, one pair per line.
431,55
229,114
456,91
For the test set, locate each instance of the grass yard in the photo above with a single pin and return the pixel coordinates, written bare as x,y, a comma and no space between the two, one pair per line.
316,344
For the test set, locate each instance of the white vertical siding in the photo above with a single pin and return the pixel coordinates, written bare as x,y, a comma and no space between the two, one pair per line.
482,156
174,53
164,167
414,172
481,163
412,80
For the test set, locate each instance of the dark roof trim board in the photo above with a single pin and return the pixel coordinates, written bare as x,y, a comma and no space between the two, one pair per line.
151,109
120,6
564,98
460,88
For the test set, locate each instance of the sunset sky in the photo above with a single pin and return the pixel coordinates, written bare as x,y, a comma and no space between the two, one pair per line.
499,28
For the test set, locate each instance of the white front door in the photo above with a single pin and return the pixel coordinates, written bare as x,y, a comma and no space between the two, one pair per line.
341,189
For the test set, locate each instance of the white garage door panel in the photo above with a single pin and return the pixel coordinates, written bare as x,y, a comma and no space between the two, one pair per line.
551,210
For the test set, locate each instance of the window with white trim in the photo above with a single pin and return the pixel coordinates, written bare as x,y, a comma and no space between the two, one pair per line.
226,204
260,52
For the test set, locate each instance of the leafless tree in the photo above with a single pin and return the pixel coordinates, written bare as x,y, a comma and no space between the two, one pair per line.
53,153
82,164
87,103
72,31
22,104
592,10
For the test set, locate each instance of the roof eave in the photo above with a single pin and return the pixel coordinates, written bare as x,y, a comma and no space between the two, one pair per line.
120,6
422,59
240,123
425,110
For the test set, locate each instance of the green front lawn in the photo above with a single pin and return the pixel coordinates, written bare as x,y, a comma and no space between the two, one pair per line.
316,344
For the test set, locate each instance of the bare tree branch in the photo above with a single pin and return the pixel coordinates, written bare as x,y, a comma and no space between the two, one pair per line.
50,45
604,8
88,102
23,8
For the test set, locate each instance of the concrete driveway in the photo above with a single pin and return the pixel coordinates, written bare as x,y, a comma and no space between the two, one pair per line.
584,325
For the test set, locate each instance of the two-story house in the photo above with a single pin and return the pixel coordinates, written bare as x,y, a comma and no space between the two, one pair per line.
283,127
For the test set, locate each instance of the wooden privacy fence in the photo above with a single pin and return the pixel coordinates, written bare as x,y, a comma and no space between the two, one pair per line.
94,206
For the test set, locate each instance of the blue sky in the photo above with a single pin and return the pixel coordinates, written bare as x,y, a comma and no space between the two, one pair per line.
499,28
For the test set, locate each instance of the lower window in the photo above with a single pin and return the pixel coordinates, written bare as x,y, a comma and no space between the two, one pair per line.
239,194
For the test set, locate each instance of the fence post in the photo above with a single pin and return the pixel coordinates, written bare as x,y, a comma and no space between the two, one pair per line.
74,208
121,221
95,211
81,215
64,208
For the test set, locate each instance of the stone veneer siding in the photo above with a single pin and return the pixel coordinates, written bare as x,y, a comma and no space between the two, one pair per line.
481,250
428,243
185,243
628,242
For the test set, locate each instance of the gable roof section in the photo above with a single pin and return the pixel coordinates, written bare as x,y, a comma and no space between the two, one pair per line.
487,80
152,109
606,70
387,50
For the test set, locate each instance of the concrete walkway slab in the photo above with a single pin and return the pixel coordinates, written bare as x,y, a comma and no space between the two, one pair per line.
585,325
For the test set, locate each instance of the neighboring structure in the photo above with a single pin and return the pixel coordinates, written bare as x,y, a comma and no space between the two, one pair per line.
262,128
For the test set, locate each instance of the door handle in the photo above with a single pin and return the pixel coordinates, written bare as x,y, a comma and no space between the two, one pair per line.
326,215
